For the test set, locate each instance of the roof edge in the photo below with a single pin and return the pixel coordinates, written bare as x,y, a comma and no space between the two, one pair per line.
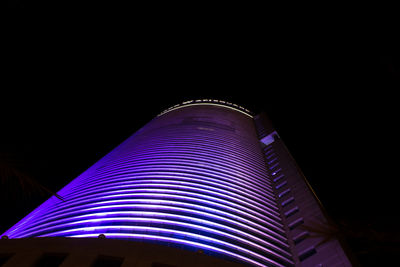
213,102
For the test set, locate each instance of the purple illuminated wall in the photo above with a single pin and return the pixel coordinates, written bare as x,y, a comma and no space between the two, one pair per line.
194,177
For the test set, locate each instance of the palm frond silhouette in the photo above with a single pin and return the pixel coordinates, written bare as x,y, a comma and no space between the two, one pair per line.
12,179
326,231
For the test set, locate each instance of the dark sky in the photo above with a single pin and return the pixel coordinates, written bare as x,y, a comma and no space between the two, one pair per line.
63,108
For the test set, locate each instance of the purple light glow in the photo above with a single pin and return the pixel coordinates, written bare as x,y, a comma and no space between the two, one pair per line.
211,180
70,233
151,216
209,190
181,241
224,176
171,206
193,176
188,196
176,180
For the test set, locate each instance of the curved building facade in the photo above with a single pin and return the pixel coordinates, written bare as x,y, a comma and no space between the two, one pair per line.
197,177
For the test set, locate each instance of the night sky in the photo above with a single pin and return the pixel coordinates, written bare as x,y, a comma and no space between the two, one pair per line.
63,109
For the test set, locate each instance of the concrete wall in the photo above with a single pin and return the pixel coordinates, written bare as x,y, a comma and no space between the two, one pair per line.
312,236
84,252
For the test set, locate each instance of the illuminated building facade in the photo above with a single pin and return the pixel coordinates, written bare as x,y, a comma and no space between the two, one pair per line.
207,177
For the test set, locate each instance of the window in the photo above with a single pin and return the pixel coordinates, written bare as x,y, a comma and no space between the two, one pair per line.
296,223
307,253
280,185
300,237
50,260
287,201
107,261
292,211
283,193
276,172
279,177
272,160
158,264
274,166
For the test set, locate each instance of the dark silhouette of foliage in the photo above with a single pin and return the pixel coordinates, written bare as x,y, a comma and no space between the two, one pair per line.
14,181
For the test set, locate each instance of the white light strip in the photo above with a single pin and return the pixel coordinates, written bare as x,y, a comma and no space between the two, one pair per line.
203,104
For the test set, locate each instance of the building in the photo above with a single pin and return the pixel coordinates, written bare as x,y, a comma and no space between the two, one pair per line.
205,183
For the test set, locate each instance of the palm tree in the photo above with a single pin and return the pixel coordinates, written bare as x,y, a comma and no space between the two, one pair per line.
14,180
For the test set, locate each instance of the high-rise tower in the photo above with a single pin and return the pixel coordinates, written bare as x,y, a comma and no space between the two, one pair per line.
205,176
